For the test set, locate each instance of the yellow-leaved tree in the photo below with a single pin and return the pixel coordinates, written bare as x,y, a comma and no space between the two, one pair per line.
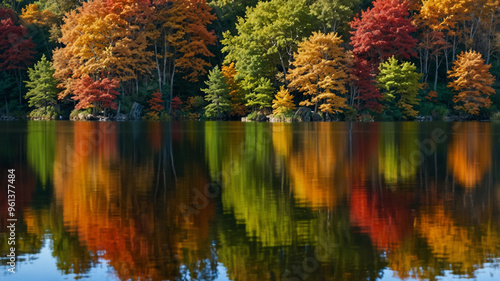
283,102
319,71
471,82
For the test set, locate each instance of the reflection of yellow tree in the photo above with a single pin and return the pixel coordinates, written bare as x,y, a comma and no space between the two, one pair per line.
465,249
282,138
469,154
399,154
319,166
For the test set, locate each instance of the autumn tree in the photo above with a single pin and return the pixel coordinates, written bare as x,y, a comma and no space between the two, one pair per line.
400,85
16,49
320,72
384,31
175,104
41,22
471,82
236,94
366,95
105,38
217,94
155,106
283,102
379,33
261,95
42,86
96,94
181,40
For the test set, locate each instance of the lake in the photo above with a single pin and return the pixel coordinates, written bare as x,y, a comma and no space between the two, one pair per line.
251,201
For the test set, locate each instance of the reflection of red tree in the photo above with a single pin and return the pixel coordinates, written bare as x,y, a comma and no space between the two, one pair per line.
365,142
155,131
384,215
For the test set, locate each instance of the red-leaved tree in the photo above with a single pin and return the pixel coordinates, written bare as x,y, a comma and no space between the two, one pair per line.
384,31
368,95
98,94
381,32
155,106
16,49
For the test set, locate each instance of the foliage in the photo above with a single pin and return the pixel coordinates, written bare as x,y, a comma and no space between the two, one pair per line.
155,106
283,102
42,85
334,15
236,93
267,36
261,95
92,50
400,85
16,50
471,83
320,72
217,95
99,94
181,40
383,31
368,96
176,104
195,104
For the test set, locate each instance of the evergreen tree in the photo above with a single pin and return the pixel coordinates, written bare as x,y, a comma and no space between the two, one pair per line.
217,94
42,85
400,85
261,96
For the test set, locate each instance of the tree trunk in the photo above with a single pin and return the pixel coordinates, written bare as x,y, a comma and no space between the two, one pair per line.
158,67
436,74
171,88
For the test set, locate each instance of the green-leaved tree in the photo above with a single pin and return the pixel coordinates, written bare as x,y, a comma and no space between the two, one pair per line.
400,84
42,92
217,94
261,96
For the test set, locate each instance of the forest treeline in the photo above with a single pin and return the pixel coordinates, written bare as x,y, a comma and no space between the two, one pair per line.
225,59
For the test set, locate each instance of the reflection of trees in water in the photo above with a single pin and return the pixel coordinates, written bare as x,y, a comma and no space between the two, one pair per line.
290,192
119,209
264,233
469,153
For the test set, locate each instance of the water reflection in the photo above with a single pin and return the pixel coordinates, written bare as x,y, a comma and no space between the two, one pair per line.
321,201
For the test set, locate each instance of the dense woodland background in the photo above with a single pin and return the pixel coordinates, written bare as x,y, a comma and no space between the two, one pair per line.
192,59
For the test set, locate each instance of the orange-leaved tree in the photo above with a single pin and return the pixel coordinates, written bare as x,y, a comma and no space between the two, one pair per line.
105,38
181,40
471,83
283,102
236,94
320,72
98,95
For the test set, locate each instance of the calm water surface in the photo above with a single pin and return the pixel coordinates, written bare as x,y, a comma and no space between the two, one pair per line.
247,201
